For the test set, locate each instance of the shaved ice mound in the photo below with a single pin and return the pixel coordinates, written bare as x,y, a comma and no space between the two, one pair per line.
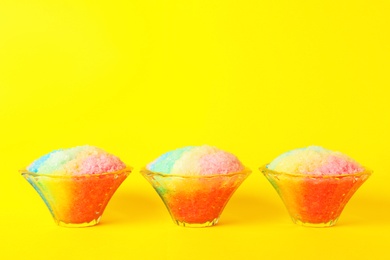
315,184
77,183
75,161
196,160
315,160
196,182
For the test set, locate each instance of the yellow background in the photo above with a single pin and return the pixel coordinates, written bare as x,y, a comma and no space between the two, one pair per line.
139,78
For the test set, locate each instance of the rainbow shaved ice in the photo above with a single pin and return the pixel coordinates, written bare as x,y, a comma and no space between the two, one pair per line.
196,182
315,183
77,183
196,160
76,161
315,160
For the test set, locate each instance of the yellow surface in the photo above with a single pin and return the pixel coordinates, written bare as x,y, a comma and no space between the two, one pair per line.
138,78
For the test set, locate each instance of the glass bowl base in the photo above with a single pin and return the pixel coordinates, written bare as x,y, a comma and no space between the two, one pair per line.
315,225
78,225
197,225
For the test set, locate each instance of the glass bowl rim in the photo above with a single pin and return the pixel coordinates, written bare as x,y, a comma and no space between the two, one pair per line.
126,170
144,171
265,171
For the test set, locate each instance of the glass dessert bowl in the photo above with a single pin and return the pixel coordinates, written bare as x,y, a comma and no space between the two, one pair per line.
195,200
315,200
76,200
